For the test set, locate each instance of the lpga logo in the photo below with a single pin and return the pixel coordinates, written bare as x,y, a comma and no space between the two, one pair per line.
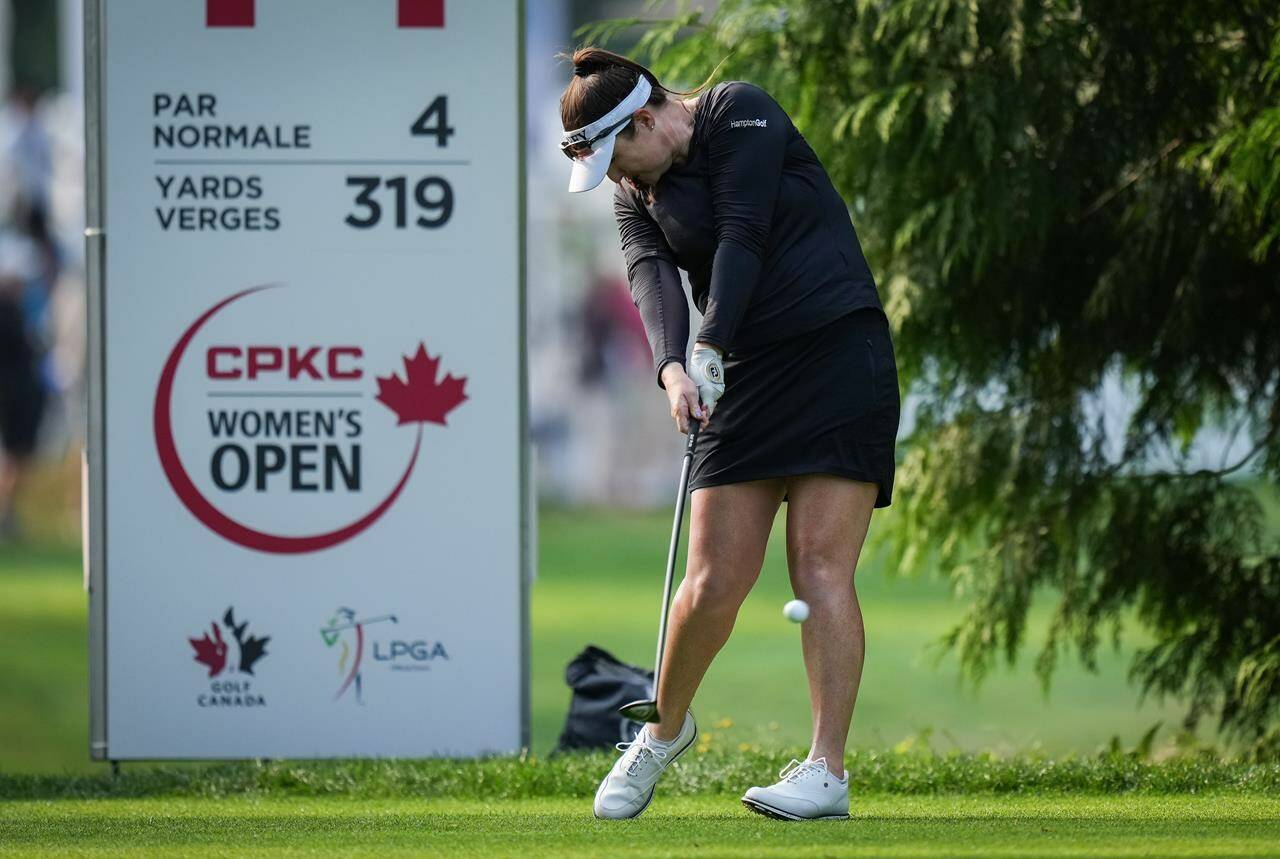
396,654
345,629
261,445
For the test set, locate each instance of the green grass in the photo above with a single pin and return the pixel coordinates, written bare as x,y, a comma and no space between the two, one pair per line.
922,826
902,804
44,712
919,787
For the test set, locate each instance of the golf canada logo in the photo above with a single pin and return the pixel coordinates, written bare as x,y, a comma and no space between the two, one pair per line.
258,421
228,671
357,651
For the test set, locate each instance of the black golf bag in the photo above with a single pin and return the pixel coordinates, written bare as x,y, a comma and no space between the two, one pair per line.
601,684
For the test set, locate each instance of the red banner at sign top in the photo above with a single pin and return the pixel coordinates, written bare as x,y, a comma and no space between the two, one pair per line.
240,13
228,13
420,13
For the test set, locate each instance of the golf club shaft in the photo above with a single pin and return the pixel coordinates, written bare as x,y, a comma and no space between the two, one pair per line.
690,442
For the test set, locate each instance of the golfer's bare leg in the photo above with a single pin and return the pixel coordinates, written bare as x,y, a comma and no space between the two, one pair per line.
827,520
728,530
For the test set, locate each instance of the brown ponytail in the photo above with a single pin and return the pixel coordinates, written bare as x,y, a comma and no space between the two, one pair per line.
601,79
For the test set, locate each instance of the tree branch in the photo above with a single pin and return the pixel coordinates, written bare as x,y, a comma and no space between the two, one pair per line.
1110,193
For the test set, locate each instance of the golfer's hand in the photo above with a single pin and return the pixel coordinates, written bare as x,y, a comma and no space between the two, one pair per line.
707,372
683,395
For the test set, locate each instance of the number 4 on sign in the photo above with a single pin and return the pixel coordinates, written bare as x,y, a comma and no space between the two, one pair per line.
439,111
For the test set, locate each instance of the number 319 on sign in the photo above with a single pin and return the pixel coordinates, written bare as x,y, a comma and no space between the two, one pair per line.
432,194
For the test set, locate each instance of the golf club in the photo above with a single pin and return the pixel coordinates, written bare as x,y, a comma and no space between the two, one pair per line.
646,710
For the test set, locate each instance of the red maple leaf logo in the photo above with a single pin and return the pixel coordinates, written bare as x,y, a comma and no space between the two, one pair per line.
419,398
211,651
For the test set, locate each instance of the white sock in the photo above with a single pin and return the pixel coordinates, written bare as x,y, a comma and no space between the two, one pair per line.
832,774
662,744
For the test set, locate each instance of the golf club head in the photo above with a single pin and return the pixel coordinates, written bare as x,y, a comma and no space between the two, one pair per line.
641,711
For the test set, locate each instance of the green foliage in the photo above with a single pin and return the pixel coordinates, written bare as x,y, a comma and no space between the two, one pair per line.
1060,198
1242,161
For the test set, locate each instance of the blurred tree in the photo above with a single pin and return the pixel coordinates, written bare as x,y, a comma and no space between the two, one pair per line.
1058,195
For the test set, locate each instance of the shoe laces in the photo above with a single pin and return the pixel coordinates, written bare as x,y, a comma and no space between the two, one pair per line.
637,749
797,771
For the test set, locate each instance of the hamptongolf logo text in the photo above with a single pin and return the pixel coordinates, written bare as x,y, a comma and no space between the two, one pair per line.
227,672
260,442
743,123
346,632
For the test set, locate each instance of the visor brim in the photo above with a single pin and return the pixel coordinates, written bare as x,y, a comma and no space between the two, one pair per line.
590,171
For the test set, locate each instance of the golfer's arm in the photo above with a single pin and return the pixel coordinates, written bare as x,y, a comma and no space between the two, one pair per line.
658,295
655,283
745,166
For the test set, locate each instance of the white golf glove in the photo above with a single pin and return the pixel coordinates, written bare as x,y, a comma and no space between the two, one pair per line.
707,372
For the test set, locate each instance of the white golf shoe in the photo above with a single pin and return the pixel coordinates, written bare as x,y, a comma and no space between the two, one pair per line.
806,791
628,788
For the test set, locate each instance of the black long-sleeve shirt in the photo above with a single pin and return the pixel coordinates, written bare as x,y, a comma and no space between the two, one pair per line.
753,218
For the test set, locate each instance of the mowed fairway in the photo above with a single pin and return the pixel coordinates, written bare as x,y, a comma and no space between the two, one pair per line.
906,826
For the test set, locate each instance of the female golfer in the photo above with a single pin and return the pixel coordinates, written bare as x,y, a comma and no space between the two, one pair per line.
792,379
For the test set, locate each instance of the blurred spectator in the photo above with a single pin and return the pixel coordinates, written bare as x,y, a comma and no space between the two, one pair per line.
29,267
614,343
24,267
26,149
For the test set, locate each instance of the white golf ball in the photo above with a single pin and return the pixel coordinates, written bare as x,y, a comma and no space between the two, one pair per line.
796,611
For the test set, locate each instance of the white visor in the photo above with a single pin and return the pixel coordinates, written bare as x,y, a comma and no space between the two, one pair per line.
591,169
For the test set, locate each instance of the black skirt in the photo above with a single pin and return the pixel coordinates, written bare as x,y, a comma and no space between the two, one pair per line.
825,401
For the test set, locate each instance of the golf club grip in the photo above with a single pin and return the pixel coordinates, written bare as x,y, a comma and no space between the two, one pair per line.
692,439
685,466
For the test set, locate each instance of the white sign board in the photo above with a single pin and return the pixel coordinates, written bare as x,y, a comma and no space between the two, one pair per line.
307,462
